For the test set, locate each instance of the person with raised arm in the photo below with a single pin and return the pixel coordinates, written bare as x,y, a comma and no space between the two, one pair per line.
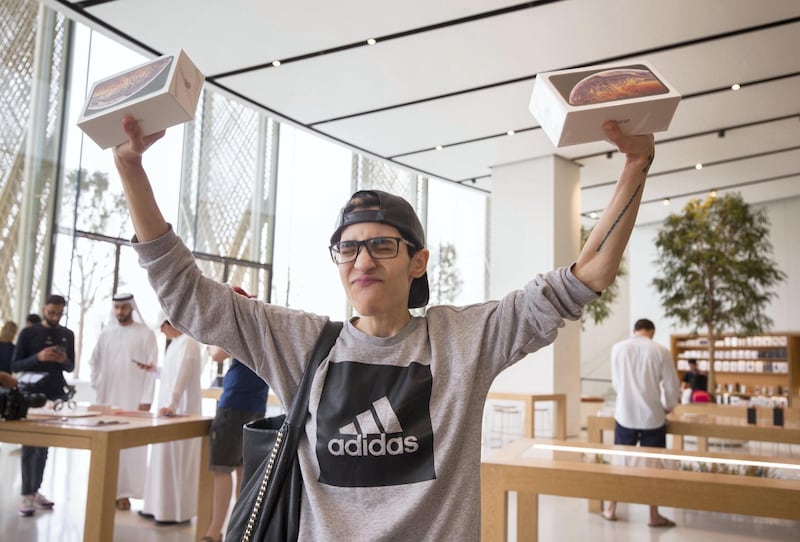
392,443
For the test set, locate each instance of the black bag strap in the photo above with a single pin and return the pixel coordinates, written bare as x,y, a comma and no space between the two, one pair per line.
296,415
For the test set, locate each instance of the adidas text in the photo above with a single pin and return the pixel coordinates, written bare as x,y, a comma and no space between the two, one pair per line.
360,446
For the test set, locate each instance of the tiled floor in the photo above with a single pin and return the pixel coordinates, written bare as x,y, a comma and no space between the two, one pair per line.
560,518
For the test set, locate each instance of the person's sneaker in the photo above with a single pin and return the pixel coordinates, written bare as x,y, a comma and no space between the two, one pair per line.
40,501
26,506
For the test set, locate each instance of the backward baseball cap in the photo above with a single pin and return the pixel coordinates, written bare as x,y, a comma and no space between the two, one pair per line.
394,211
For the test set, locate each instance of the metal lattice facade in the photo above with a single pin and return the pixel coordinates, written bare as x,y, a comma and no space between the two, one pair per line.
227,193
32,53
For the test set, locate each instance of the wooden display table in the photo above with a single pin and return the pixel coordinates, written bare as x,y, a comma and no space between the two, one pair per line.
216,393
104,436
704,427
518,467
790,414
530,400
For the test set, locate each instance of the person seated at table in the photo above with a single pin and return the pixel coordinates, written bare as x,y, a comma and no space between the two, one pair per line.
697,382
7,334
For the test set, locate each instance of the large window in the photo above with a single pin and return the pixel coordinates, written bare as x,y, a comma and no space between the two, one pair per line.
314,179
457,218
89,261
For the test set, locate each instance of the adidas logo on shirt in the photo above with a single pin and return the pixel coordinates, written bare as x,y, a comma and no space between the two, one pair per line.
369,434
373,425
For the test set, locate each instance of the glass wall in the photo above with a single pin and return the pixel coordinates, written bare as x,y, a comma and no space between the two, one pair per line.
314,181
457,238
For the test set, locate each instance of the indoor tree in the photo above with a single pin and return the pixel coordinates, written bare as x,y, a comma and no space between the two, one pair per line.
715,269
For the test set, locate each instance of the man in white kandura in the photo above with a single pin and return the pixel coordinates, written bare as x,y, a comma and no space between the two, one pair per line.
123,375
171,485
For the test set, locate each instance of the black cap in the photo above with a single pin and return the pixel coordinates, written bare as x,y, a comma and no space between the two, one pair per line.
394,211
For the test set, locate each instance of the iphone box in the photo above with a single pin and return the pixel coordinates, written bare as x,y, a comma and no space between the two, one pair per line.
572,105
159,94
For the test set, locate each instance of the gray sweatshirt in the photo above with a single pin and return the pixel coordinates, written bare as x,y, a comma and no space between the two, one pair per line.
392,446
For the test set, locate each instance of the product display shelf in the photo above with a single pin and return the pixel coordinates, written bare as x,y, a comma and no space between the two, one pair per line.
764,366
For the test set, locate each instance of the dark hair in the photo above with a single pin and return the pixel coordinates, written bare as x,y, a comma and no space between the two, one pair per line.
692,361
362,200
643,324
55,299
33,319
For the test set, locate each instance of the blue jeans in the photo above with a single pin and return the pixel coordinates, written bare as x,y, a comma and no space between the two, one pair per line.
655,438
32,463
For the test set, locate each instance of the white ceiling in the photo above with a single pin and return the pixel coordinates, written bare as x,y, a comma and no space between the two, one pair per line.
459,73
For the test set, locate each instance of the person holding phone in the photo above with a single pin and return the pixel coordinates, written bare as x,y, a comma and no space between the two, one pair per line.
49,348
171,483
123,363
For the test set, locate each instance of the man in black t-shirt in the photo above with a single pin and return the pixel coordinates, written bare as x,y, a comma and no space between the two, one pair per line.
696,381
49,348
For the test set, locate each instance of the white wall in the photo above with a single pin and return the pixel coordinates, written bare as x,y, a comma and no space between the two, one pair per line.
640,299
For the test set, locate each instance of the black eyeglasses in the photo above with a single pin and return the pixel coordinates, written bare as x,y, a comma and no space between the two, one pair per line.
379,248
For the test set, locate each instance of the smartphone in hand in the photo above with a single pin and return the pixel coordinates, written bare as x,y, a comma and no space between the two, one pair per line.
143,366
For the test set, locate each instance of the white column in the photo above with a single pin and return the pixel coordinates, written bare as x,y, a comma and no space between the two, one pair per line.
535,227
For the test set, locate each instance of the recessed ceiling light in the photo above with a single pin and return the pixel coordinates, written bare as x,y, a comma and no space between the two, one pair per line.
593,215
510,132
698,166
713,194
276,63
665,201
736,86
439,147
371,41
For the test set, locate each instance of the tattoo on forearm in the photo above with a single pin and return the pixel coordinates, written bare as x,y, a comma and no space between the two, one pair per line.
650,159
619,217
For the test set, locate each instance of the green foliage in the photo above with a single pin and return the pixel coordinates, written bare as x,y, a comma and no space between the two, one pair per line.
599,310
715,266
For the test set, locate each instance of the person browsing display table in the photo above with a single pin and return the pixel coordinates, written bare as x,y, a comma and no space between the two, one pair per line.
47,348
121,359
647,387
396,408
170,486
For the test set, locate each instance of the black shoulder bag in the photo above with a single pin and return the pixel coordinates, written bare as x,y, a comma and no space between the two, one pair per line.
268,508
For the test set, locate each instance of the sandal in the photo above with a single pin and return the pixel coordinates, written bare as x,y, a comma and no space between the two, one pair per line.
663,522
123,504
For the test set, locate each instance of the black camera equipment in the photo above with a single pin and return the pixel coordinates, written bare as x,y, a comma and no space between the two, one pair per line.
14,404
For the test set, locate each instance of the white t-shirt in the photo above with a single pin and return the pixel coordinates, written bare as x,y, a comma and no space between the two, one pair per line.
646,383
